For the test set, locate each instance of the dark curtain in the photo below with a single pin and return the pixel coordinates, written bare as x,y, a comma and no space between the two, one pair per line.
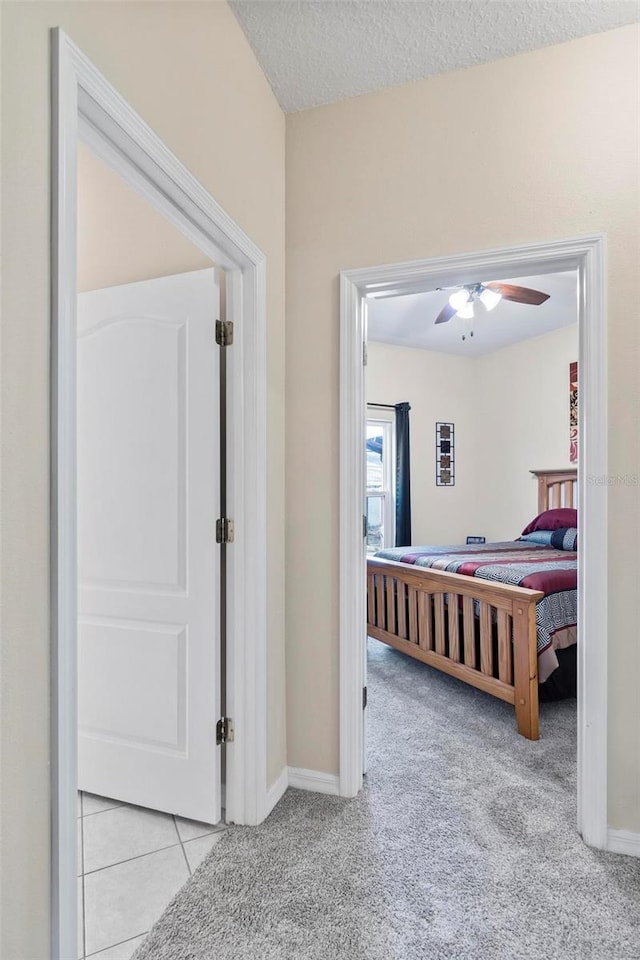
403,476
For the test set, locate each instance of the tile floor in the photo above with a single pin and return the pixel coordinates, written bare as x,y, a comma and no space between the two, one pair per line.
131,862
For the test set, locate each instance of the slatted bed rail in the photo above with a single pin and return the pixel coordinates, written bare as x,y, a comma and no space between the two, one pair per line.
480,632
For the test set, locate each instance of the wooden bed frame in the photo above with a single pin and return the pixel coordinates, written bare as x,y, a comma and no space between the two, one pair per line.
484,633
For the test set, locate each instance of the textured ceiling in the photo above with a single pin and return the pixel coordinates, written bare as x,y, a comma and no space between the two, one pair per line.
318,51
409,321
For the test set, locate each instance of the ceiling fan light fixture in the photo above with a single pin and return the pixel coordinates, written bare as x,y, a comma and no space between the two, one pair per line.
461,301
466,310
459,298
490,298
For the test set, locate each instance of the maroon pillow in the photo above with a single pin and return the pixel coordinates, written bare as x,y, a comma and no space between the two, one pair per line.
553,520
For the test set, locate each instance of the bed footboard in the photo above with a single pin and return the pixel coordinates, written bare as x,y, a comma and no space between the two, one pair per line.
480,632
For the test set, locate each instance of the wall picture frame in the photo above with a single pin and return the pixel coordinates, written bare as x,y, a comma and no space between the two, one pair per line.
573,412
445,455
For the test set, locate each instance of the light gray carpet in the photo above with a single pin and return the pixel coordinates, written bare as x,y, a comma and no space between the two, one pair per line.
461,847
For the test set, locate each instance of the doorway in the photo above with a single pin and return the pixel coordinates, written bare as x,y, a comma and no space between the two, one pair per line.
586,256
87,109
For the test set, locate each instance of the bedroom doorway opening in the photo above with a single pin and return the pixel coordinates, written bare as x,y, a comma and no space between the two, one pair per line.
490,635
455,459
133,449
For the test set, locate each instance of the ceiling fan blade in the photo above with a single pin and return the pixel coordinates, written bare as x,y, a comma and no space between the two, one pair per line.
446,313
518,294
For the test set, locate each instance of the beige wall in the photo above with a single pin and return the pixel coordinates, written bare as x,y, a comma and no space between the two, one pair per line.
505,426
539,146
121,237
188,70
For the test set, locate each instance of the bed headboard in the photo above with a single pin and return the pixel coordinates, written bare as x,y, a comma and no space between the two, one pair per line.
557,488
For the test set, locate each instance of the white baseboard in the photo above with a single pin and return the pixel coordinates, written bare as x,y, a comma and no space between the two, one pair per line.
314,780
623,841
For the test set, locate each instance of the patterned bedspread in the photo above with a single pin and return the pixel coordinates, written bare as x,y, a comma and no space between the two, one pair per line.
521,563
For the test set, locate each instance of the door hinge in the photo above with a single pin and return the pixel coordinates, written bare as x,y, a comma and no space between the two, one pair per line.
224,530
224,731
224,333
364,697
364,353
364,526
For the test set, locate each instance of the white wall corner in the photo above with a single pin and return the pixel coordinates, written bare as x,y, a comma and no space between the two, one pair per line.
314,780
623,841
275,793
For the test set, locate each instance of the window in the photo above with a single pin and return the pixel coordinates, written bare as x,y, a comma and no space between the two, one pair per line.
380,470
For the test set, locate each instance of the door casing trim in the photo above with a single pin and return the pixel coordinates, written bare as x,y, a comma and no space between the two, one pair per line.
86,107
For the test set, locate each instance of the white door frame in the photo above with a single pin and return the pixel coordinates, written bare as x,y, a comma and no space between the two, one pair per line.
86,107
587,255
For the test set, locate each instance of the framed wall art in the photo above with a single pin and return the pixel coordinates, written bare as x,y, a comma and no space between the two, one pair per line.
573,412
445,455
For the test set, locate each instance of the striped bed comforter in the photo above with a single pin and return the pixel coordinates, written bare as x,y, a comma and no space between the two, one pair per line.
520,563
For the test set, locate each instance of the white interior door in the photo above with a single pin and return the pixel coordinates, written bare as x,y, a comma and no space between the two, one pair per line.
148,563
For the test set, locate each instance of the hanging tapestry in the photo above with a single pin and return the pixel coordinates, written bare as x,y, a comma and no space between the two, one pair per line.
573,412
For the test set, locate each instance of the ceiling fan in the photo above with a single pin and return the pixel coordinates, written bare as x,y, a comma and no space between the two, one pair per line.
462,301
